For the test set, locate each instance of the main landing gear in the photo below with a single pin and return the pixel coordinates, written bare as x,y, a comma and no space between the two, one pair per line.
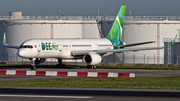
33,64
91,66
60,64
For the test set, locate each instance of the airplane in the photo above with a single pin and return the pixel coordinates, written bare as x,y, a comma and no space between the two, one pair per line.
90,50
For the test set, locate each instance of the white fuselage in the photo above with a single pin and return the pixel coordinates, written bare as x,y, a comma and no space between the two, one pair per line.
60,48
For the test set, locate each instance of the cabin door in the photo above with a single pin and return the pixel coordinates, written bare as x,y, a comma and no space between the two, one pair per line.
95,46
38,46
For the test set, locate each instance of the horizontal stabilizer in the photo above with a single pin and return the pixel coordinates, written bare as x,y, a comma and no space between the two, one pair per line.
135,44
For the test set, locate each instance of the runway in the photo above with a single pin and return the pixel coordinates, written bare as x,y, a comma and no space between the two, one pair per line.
85,94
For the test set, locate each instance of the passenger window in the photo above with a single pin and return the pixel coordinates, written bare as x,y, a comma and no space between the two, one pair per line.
26,46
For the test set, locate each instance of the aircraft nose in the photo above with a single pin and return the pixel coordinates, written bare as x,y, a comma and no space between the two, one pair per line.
21,53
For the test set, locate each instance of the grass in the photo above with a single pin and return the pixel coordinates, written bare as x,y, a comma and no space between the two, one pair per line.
99,67
133,67
19,65
172,83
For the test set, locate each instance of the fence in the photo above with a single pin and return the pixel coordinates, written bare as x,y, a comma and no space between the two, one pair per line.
133,59
90,18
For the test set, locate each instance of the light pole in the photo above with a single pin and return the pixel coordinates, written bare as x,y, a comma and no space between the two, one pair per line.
58,11
98,12
123,55
178,46
130,12
123,34
179,34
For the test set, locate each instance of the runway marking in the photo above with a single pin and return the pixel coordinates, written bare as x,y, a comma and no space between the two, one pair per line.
42,96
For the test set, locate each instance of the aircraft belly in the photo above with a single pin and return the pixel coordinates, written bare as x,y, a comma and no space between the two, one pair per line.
64,55
47,54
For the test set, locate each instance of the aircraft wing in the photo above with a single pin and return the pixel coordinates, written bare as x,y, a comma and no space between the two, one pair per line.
11,46
113,50
8,45
135,44
74,53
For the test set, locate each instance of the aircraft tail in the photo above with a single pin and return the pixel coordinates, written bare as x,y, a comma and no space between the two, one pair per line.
115,33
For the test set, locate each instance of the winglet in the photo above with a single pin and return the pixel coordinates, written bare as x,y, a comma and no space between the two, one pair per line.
174,40
4,39
7,45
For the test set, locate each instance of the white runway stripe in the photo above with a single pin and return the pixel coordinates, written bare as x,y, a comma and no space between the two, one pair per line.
132,75
31,73
42,96
72,74
10,72
51,73
92,74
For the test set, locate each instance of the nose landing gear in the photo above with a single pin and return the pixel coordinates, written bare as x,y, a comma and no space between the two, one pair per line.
33,64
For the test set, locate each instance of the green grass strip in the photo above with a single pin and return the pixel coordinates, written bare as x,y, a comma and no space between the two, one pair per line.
134,67
172,83
98,67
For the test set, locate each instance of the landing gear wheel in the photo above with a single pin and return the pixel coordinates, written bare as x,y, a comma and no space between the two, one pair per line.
57,65
91,66
33,68
60,64
88,66
63,65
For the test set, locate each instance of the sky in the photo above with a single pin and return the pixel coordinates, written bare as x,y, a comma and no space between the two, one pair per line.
90,7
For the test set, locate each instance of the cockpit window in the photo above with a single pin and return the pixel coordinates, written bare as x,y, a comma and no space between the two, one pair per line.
26,46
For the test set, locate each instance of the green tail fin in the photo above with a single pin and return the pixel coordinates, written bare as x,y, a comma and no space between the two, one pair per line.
4,39
116,30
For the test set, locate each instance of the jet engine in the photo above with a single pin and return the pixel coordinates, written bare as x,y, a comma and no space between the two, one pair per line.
39,60
92,59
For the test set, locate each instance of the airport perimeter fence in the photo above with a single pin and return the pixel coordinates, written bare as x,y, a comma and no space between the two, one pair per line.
90,18
111,60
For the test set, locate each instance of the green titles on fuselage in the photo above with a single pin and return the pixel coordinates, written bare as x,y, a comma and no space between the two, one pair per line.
49,46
